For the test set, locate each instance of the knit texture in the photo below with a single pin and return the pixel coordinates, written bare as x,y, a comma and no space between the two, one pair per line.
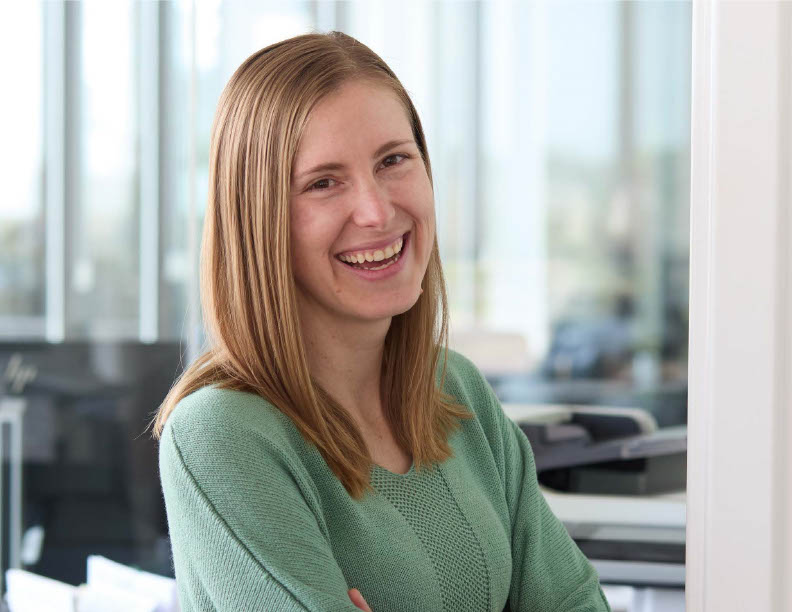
258,521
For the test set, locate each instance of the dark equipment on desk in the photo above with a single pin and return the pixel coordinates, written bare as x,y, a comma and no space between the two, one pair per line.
607,451
90,469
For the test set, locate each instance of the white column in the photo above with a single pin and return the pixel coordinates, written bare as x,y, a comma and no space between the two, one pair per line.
55,180
739,522
149,164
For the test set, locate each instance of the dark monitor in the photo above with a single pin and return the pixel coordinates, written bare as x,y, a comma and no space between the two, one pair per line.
90,470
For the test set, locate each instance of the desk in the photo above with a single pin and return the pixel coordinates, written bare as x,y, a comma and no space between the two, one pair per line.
655,523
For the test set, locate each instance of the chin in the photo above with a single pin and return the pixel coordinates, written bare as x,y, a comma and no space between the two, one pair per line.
389,310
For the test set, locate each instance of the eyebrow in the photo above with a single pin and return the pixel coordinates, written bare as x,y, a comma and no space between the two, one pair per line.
339,166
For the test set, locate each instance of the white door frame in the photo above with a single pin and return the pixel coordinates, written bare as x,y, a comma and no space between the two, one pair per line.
739,502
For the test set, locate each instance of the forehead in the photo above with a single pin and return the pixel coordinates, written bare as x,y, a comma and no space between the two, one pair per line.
358,117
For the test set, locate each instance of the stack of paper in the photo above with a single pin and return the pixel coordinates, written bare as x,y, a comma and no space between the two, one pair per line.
158,592
101,598
27,592
111,587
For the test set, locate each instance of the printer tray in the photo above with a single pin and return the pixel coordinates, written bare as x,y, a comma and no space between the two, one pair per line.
647,476
582,451
569,459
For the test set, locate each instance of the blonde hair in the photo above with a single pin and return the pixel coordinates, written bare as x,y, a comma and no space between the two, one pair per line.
248,297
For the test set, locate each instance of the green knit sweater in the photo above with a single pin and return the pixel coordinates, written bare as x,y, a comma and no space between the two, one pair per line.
258,521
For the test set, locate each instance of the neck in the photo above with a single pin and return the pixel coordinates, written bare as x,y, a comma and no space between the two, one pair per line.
345,357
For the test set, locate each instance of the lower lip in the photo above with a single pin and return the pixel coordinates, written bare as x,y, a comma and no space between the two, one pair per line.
391,270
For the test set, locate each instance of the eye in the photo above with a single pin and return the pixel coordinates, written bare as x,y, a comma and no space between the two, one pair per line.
320,185
395,155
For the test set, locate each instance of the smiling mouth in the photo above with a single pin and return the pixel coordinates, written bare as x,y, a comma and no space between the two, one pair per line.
382,263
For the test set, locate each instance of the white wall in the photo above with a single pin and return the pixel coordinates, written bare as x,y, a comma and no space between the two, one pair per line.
739,523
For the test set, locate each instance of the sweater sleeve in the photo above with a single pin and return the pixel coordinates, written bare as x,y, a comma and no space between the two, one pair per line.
242,534
549,570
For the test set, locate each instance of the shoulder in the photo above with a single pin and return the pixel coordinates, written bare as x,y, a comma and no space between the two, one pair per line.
211,408
468,385
464,378
460,365
213,424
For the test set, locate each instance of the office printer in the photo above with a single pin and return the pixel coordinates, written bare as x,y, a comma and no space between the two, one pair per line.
601,449
617,482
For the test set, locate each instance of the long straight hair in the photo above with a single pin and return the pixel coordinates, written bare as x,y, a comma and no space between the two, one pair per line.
254,339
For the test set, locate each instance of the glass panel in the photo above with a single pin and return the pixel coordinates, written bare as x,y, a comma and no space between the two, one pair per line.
586,173
21,207
178,276
104,262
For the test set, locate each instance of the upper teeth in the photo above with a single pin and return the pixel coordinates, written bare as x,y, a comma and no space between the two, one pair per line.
378,255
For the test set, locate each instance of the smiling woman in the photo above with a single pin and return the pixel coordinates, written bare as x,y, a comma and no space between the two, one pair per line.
327,438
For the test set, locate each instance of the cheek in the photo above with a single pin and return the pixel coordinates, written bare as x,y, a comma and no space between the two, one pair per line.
415,195
301,231
312,233
418,200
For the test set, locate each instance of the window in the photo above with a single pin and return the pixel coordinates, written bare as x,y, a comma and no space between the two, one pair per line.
22,207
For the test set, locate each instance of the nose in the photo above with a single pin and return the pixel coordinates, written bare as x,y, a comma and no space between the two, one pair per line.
372,205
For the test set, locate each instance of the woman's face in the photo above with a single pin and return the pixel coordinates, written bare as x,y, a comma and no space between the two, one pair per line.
359,189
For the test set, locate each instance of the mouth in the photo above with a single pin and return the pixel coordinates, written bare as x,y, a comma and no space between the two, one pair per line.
383,263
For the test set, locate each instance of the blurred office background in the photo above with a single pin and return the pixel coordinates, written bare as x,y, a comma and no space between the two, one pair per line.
559,138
